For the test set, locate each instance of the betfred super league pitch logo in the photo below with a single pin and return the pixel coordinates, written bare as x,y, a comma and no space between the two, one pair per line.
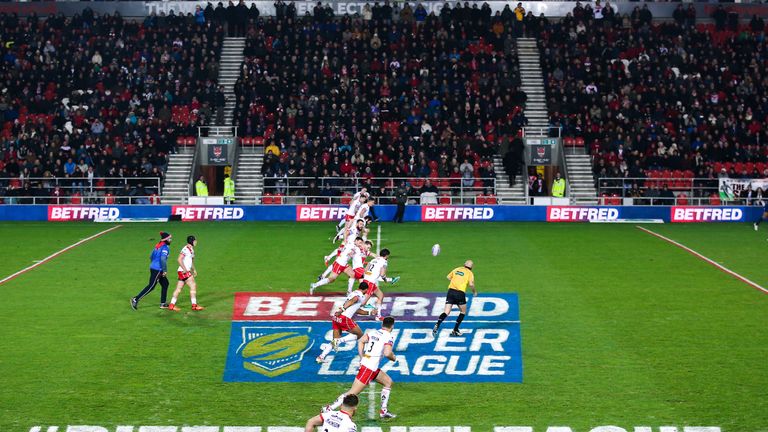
275,337
271,351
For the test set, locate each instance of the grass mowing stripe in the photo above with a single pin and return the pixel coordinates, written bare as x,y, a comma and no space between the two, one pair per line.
55,254
705,259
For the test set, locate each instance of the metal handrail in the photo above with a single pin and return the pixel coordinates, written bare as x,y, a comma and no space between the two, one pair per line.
84,200
542,132
79,183
338,200
217,131
354,184
693,186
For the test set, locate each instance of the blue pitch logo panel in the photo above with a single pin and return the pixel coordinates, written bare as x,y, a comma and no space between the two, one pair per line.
275,337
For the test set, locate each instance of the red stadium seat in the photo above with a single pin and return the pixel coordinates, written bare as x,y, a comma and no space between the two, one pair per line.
346,198
480,199
277,199
682,199
579,142
445,199
714,199
266,198
491,200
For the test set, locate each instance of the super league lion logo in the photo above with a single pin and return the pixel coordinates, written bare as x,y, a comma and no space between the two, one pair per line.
541,151
274,351
217,151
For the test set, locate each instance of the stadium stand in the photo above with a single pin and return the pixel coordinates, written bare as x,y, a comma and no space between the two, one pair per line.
93,104
663,101
392,93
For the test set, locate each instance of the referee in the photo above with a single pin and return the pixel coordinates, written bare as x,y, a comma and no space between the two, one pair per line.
460,277
158,268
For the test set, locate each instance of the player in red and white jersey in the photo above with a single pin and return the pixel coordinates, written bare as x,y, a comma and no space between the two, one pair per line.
358,263
336,421
349,235
365,208
187,274
374,345
354,205
375,272
340,265
346,235
342,321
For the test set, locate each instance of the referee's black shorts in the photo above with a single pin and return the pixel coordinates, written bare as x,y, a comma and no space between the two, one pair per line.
456,297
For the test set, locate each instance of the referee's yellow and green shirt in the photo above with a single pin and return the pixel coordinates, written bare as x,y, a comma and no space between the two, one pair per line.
461,277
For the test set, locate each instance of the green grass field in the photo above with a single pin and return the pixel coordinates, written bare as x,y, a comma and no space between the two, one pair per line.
618,327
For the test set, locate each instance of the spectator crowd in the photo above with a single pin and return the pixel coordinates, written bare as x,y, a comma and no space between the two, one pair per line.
98,96
660,99
392,92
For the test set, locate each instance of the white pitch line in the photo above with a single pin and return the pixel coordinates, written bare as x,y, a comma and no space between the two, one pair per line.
720,267
55,254
372,385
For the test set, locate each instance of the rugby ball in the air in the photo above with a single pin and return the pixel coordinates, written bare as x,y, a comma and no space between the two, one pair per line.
436,250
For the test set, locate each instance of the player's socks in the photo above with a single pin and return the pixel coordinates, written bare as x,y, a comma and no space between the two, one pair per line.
350,285
321,282
194,300
384,398
326,350
441,318
459,319
338,401
327,271
173,300
348,338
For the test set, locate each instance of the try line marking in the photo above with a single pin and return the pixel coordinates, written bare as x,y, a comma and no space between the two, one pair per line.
705,259
55,254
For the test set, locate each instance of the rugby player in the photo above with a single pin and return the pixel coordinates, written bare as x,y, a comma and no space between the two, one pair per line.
187,274
339,266
336,421
374,345
342,321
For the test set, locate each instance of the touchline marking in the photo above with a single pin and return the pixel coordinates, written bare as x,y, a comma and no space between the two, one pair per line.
55,254
703,258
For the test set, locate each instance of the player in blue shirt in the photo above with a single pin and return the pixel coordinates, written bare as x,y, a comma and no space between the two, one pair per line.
158,268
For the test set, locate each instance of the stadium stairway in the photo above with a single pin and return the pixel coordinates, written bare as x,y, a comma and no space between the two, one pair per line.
229,70
249,183
580,177
532,83
176,184
508,194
